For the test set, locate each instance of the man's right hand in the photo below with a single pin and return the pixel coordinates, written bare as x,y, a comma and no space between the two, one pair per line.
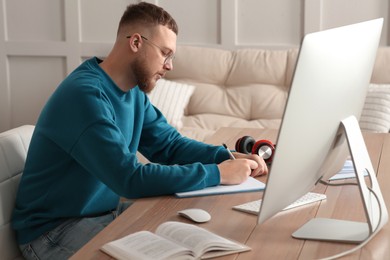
236,171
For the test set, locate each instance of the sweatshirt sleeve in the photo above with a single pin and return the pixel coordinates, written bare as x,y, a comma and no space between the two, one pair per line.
163,144
101,149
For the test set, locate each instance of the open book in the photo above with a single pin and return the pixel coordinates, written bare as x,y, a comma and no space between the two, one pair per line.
173,240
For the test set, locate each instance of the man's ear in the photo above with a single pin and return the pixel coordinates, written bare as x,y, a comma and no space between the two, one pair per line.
135,42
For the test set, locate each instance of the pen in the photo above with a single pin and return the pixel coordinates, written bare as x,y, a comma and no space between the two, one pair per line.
230,153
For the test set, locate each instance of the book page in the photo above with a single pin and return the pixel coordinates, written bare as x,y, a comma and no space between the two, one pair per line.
146,245
198,239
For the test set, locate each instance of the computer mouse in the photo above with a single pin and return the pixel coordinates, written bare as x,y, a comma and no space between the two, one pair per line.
196,215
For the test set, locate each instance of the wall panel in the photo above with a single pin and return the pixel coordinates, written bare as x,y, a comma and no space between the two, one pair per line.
343,12
32,80
263,22
100,24
204,15
38,20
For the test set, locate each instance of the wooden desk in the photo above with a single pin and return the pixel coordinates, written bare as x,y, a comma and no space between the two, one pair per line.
272,239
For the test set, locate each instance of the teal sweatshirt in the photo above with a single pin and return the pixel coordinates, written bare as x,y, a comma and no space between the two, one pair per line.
82,156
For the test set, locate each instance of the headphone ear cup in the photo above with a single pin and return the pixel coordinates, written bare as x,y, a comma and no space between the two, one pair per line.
265,149
245,144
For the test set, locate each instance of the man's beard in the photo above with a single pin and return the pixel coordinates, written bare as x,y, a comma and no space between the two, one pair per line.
142,76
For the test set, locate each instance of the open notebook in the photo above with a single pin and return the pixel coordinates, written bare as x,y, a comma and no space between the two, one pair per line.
250,185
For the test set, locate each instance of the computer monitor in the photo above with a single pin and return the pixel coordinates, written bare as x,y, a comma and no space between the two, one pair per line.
326,98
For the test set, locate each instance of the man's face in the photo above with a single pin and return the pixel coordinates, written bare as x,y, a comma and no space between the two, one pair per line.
156,58
143,75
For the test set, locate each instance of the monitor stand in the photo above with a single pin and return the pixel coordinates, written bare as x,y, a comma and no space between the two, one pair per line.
373,203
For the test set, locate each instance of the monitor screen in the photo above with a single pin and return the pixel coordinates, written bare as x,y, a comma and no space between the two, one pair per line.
330,83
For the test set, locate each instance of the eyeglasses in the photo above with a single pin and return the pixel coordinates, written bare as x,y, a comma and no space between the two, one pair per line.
168,56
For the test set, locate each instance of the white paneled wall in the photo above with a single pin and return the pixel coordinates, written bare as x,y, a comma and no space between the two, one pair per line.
41,41
276,22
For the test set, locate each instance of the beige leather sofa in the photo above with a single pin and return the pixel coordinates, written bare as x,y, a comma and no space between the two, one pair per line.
249,88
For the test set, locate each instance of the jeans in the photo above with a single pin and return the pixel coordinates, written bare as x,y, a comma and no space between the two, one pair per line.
67,238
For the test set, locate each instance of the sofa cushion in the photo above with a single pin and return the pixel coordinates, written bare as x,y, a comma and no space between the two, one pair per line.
245,87
376,111
258,66
249,87
380,74
171,98
200,64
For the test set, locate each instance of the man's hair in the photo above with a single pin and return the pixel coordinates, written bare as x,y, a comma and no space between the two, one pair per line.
148,14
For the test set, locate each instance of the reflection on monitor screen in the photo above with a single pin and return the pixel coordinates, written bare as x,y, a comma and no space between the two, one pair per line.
326,97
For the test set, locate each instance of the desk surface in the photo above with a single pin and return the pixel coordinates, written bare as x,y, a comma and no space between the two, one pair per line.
272,239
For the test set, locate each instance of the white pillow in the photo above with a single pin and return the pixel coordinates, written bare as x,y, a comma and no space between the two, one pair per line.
376,111
171,98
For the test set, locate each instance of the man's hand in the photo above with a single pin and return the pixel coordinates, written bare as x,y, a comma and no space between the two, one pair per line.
262,166
237,171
